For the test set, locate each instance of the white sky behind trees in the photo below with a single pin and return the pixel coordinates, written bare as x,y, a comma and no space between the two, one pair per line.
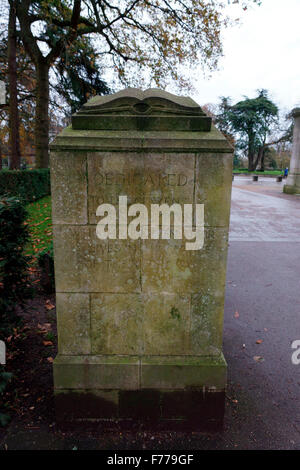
263,52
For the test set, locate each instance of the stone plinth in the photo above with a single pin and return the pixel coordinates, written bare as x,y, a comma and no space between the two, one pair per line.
140,320
292,185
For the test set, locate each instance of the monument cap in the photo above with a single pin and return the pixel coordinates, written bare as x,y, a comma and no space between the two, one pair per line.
149,110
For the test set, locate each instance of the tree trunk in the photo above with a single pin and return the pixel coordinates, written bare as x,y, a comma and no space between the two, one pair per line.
0,155
262,159
250,151
41,115
258,157
14,137
251,164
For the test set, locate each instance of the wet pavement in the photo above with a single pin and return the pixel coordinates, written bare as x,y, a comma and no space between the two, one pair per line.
261,212
262,317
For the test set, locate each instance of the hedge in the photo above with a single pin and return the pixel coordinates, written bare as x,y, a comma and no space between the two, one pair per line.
28,185
14,279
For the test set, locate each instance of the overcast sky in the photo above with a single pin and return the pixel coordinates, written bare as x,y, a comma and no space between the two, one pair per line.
263,52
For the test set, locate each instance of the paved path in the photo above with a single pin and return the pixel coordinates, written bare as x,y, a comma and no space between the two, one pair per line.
262,303
257,216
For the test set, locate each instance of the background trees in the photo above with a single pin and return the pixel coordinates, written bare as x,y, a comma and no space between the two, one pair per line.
140,40
14,140
250,122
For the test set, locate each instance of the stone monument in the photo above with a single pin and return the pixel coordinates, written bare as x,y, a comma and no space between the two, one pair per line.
140,305
292,185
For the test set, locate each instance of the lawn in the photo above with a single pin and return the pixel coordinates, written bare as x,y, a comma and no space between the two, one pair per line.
40,226
267,172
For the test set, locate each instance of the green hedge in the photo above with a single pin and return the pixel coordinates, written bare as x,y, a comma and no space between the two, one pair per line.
28,185
14,280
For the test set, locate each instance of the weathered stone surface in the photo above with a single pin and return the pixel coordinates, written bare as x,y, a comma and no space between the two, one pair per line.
88,372
183,372
169,178
116,324
149,110
213,177
159,178
147,141
143,178
73,323
168,267
206,321
87,264
166,323
140,321
112,175
133,98
69,187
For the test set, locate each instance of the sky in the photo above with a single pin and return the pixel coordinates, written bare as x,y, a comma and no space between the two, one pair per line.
263,52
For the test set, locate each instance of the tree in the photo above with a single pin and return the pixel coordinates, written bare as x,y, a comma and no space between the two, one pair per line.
155,35
280,142
16,116
250,120
14,137
78,75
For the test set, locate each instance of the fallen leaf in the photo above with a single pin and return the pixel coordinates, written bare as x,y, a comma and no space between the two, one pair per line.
50,359
49,306
47,343
259,341
258,358
44,328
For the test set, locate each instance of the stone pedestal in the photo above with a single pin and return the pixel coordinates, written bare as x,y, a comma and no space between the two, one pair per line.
139,320
292,185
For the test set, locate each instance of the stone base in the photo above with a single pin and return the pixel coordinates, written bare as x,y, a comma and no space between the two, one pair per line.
288,189
157,389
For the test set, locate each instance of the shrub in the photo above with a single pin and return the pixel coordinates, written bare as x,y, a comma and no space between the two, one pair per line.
14,283
28,185
4,379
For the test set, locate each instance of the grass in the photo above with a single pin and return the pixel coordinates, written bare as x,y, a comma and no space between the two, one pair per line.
267,172
40,226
